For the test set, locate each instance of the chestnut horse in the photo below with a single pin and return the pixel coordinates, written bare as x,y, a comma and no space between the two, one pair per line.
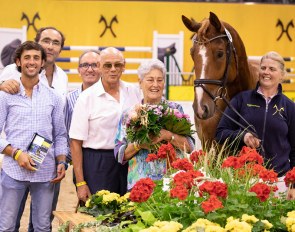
221,68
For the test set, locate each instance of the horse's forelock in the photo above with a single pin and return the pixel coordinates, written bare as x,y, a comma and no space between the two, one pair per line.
203,30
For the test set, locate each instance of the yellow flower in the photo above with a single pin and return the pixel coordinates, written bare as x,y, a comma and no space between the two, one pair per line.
124,198
290,223
267,224
201,223
164,226
291,214
238,226
102,192
212,228
110,197
87,204
249,218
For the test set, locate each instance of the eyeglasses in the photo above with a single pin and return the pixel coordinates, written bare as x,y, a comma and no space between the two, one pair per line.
54,43
87,65
117,66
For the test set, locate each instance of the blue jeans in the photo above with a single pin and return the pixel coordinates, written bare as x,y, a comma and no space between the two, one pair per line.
22,208
13,192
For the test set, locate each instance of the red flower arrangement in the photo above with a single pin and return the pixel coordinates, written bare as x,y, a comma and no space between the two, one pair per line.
290,177
213,203
142,190
262,191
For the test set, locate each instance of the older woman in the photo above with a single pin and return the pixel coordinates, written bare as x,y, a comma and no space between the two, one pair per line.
152,82
272,115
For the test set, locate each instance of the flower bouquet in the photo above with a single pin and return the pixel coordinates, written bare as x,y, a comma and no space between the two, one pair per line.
145,122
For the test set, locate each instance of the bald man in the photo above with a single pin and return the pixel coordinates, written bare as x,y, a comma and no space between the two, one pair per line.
93,128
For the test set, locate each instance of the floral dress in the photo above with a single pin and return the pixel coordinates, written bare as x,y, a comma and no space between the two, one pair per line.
138,167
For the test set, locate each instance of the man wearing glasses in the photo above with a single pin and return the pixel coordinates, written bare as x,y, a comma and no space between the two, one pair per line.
93,128
52,41
89,72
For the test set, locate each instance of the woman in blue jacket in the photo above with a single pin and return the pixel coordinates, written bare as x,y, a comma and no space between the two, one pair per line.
271,113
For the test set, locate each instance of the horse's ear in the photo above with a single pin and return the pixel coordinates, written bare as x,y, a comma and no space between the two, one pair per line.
192,25
214,20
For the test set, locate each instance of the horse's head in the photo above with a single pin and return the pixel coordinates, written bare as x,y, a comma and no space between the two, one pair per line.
215,62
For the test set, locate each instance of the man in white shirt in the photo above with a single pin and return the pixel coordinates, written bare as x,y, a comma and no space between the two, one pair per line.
93,128
52,40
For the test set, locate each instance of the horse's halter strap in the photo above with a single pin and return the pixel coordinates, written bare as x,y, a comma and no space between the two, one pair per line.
229,49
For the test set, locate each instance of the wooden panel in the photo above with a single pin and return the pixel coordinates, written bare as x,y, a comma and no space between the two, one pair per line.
73,218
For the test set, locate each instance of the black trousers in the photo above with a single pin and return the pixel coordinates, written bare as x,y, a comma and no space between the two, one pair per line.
102,171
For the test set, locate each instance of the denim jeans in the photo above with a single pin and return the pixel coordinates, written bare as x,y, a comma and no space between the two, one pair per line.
23,204
13,192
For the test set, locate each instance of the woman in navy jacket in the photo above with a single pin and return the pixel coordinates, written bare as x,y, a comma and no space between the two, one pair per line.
271,113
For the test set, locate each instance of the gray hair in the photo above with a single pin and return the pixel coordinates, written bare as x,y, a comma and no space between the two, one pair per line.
88,51
149,65
276,57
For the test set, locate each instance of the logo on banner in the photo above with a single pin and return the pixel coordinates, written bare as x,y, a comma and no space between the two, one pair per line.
284,30
29,23
108,26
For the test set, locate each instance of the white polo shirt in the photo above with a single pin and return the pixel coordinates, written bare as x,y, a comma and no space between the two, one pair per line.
96,114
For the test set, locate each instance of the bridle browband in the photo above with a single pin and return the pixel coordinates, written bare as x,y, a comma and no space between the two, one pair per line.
221,92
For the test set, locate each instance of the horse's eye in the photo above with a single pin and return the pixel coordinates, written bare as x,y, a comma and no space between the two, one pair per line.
219,54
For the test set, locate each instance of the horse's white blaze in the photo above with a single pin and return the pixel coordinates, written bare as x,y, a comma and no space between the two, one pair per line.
200,91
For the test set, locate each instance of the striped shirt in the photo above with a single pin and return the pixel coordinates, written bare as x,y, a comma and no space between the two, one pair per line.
21,117
70,103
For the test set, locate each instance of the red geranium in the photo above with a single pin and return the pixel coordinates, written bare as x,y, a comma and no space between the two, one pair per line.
290,177
142,190
211,204
151,158
179,192
232,161
184,179
214,188
195,155
250,155
268,175
262,191
182,164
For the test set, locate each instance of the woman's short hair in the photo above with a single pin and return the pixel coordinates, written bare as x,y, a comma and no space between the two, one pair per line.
149,65
276,57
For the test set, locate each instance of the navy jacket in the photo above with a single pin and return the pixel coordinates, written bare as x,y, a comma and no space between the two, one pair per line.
274,124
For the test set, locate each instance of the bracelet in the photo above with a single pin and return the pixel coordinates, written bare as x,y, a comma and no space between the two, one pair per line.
64,163
136,146
172,138
13,152
81,183
18,154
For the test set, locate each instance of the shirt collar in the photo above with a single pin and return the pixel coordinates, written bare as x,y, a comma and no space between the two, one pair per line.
22,91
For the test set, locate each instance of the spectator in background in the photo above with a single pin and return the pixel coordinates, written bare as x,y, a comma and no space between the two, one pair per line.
8,51
89,72
93,128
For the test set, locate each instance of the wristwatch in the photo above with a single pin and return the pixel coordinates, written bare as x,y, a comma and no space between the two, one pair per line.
64,163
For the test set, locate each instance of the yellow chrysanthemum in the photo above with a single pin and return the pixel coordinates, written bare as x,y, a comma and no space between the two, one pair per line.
291,214
201,223
237,226
267,224
214,229
290,222
110,197
102,192
87,204
168,226
249,218
151,229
